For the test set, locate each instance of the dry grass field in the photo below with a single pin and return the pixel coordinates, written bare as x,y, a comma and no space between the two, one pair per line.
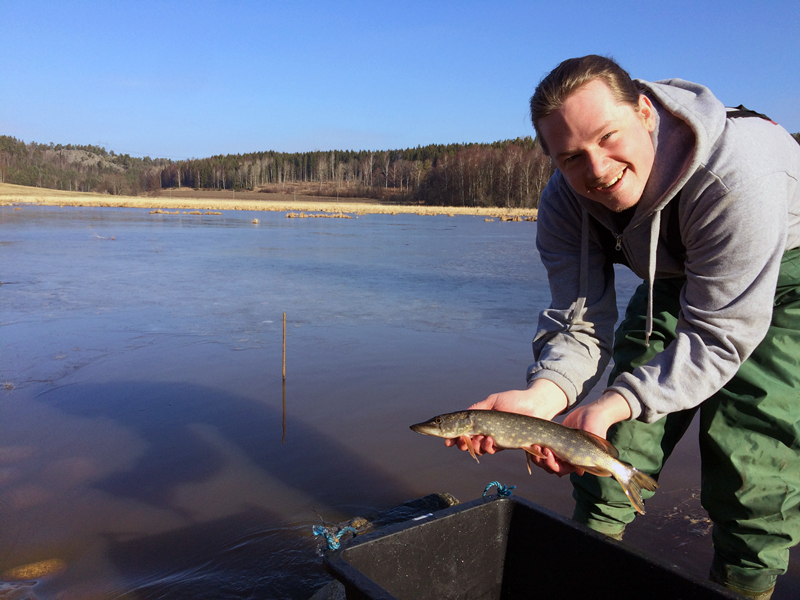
188,199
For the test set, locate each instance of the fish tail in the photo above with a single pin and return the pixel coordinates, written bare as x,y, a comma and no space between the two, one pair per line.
634,485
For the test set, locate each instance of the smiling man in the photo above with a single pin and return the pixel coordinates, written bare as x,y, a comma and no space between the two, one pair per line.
702,203
603,148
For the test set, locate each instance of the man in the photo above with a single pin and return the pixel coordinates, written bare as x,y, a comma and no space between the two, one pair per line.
703,204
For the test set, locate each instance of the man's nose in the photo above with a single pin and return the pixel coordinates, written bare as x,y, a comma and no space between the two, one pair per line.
596,165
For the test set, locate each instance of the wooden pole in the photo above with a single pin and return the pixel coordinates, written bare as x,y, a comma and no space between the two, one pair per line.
283,439
284,346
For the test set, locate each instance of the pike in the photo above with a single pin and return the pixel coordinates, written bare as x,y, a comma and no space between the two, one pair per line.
582,449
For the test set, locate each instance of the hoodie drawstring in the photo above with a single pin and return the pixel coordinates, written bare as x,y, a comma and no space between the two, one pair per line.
583,290
655,230
580,303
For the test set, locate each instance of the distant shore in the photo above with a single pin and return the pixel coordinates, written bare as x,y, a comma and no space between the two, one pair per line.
190,199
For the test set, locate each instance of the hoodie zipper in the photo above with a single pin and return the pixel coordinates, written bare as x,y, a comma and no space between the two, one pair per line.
618,247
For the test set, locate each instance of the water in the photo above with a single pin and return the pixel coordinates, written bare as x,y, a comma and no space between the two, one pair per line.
143,437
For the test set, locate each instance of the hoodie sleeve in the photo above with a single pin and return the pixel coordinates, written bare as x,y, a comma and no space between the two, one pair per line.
735,238
573,341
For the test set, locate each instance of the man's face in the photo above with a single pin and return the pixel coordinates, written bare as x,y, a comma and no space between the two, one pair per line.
602,147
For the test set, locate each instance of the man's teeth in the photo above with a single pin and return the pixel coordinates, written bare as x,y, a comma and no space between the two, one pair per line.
613,181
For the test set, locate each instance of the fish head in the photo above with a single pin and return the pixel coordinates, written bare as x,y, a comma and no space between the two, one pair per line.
450,425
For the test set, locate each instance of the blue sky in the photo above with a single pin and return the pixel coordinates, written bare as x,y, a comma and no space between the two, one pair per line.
195,79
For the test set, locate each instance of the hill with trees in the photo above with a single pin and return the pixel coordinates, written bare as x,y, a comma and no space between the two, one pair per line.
77,168
509,173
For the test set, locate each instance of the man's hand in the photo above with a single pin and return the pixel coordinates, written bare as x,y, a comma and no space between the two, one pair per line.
595,417
543,399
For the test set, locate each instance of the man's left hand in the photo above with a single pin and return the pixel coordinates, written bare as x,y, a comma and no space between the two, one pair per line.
595,417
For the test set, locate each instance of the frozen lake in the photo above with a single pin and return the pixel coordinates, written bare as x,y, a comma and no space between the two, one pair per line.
142,411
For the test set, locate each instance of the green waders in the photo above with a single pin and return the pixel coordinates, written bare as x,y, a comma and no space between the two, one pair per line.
749,441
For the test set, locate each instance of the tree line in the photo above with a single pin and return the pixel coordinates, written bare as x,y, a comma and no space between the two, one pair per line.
503,173
508,173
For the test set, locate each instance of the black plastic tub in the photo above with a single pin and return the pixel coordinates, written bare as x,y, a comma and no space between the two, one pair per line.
504,549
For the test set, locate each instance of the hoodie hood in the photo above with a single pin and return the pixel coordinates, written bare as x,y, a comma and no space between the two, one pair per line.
690,121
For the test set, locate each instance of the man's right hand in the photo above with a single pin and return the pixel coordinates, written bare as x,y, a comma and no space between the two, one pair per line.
542,399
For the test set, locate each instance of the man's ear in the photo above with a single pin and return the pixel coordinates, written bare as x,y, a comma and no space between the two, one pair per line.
647,113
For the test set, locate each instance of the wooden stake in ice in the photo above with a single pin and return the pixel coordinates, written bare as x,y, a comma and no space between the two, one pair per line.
283,439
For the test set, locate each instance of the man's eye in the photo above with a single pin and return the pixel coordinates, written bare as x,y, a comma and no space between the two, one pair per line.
608,135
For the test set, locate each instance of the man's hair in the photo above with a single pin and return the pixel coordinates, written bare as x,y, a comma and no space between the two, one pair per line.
572,74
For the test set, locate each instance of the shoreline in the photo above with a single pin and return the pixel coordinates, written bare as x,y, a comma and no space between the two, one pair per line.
11,194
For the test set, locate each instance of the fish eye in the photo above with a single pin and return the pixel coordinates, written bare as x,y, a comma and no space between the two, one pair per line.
438,420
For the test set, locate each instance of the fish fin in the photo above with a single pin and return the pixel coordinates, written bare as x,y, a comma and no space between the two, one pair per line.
470,447
528,463
602,443
633,488
594,470
533,451
530,451
580,469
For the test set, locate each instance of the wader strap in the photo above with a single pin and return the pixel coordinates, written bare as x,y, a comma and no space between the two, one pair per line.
741,111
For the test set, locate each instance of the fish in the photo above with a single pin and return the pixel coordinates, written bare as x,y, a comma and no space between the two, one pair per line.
584,450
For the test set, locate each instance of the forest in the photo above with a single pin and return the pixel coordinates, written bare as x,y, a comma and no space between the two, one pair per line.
508,173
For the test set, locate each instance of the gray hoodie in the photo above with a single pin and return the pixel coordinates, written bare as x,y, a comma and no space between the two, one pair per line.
738,211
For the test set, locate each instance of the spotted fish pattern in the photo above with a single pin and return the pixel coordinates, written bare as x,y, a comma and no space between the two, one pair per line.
581,449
